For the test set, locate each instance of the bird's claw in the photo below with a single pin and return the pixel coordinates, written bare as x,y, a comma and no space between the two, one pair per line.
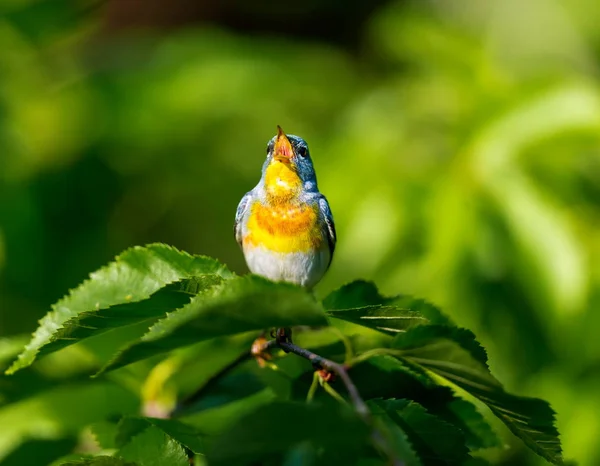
258,351
283,335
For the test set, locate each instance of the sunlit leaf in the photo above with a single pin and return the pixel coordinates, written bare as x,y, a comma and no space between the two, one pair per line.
479,434
387,377
435,441
134,276
104,433
361,303
450,357
387,319
189,436
239,305
167,299
152,447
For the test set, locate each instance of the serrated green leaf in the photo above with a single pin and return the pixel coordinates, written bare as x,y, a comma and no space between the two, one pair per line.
361,303
420,336
452,358
152,447
435,441
478,432
10,347
187,435
277,427
395,436
104,432
133,276
386,377
358,293
239,305
167,299
386,319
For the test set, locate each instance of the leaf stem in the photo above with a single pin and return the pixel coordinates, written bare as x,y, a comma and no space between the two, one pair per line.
334,394
313,388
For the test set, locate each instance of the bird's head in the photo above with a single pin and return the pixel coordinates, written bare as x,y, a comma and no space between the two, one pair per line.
288,169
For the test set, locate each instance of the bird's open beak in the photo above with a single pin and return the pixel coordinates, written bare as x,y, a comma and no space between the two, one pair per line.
283,150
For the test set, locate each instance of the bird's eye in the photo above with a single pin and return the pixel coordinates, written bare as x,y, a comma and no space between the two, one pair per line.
301,151
269,148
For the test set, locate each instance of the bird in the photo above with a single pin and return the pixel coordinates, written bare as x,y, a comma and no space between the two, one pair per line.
284,225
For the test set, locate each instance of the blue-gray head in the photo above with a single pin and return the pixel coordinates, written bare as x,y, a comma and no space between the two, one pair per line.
288,169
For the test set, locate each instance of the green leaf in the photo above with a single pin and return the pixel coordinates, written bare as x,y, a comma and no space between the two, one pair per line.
386,319
239,305
104,432
466,339
185,434
435,441
98,461
196,371
153,447
301,455
278,427
39,451
388,377
10,347
358,293
395,436
167,299
61,411
132,277
453,357
216,420
234,386
478,432
361,303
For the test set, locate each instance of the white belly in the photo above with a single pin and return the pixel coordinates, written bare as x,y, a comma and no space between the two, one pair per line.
301,268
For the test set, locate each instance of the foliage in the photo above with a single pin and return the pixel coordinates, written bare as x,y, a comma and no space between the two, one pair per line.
242,412
457,142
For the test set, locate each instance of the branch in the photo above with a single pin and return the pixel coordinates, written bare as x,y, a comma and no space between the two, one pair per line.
317,361
342,372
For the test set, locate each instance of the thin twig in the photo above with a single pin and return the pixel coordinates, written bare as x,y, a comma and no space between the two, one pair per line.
341,371
331,366
319,362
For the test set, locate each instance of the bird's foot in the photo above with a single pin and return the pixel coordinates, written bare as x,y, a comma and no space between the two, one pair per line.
258,351
283,335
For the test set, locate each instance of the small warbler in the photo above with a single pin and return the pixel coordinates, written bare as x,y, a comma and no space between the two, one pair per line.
284,225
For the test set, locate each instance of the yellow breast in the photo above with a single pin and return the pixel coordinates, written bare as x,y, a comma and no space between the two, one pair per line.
284,227
282,183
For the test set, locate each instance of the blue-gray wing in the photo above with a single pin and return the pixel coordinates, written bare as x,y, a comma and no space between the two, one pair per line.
330,225
242,208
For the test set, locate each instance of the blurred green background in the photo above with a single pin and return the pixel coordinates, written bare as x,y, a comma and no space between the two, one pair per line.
458,142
